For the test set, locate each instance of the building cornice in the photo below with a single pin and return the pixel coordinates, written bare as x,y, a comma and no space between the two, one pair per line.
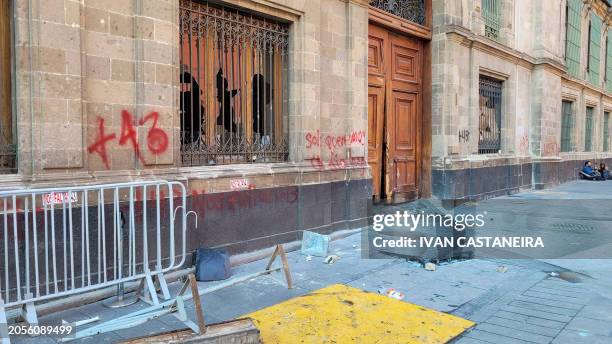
570,81
362,3
467,38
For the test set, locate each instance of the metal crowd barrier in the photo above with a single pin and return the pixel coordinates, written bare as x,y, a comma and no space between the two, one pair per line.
57,242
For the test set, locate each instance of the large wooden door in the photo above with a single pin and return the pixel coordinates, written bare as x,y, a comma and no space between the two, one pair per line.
395,69
376,106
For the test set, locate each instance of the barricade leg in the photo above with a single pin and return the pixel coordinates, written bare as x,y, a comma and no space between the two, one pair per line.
3,325
28,311
163,285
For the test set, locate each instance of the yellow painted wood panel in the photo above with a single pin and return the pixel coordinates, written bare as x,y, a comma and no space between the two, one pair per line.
342,314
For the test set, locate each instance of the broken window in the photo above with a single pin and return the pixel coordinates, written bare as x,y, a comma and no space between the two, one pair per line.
232,86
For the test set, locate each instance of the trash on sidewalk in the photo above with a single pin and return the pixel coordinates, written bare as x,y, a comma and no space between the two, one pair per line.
212,265
315,244
553,274
502,268
430,266
392,293
308,258
331,259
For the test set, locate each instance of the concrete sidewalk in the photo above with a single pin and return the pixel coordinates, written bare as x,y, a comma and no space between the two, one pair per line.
522,304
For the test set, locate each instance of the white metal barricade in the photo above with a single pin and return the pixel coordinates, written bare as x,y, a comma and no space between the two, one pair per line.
62,241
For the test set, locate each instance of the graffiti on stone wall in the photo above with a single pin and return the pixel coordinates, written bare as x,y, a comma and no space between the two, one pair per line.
156,139
241,184
229,203
551,148
333,144
464,136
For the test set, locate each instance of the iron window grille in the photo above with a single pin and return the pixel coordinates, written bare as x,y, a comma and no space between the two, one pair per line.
491,13
567,123
233,82
8,148
606,132
588,130
489,139
412,10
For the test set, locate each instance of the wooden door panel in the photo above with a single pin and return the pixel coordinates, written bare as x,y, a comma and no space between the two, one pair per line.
376,99
403,118
405,66
377,42
403,142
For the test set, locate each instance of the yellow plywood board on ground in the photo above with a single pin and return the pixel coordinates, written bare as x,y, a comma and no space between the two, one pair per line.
342,314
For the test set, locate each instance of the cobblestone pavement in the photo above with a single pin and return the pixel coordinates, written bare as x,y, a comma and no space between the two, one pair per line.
522,303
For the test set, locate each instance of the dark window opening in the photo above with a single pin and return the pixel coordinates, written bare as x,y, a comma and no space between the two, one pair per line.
588,66
567,123
588,130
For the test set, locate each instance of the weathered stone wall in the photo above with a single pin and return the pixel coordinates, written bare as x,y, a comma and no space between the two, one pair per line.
528,57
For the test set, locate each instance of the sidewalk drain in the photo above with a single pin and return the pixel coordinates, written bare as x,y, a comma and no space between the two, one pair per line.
573,227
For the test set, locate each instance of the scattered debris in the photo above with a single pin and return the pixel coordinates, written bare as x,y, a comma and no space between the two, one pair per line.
430,266
502,268
553,274
308,258
331,259
354,246
392,293
315,244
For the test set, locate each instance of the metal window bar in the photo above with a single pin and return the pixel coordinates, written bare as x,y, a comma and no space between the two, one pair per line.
606,132
489,140
412,10
566,126
491,13
588,130
231,104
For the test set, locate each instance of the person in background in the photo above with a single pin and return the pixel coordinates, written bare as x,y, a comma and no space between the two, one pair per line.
588,172
603,171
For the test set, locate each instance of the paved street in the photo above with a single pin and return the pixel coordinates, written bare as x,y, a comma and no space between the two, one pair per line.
521,304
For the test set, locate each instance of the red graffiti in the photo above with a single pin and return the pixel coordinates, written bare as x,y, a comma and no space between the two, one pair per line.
100,145
332,143
129,133
335,141
551,148
157,139
235,201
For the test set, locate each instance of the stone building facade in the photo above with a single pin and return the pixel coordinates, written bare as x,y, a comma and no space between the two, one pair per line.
97,92
520,93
